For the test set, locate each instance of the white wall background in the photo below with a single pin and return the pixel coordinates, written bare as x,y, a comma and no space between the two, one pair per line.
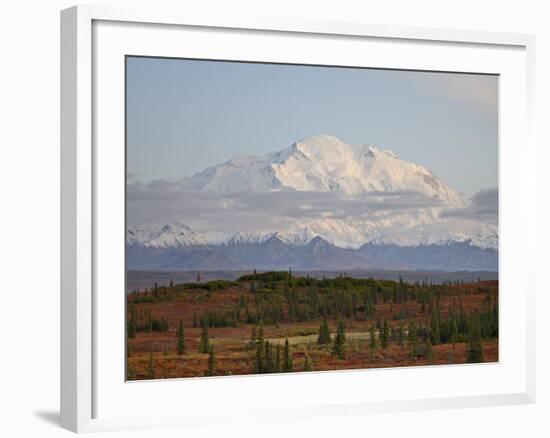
29,215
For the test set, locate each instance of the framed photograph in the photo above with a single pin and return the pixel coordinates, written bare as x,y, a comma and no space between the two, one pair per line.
288,217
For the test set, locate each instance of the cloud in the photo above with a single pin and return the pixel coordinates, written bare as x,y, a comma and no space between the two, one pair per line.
162,202
483,207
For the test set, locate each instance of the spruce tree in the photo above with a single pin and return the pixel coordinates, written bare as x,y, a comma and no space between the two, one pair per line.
204,342
132,323
495,320
385,334
211,371
401,335
428,350
339,348
181,340
412,339
372,341
435,332
259,362
252,342
150,365
287,359
277,364
324,333
260,335
453,332
475,351
268,358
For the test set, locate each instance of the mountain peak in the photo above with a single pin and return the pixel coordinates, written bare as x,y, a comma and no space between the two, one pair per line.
375,151
324,163
320,140
321,147
175,234
319,242
327,142
176,226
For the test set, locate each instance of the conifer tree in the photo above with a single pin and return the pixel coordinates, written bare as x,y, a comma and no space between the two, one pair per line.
287,359
150,366
372,341
324,333
211,370
260,335
453,332
495,320
132,323
401,335
462,326
475,351
412,339
385,334
339,348
428,350
204,342
181,340
259,362
252,342
435,332
277,360
268,358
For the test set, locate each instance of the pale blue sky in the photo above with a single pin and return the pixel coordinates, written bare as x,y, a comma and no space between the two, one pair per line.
184,115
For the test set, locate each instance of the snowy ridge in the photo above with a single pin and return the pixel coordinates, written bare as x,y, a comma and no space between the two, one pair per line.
324,164
181,236
174,235
249,238
273,253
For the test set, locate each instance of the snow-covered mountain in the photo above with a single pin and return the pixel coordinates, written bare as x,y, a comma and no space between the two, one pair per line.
267,253
179,235
300,237
324,164
365,207
174,235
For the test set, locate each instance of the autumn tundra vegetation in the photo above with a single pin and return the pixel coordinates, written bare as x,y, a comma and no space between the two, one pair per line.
276,322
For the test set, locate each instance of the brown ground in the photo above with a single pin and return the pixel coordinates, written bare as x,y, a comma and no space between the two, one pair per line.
235,356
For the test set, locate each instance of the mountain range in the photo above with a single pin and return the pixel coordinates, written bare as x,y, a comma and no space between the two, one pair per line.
327,205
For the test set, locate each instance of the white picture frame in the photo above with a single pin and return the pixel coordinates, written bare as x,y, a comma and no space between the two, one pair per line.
91,392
